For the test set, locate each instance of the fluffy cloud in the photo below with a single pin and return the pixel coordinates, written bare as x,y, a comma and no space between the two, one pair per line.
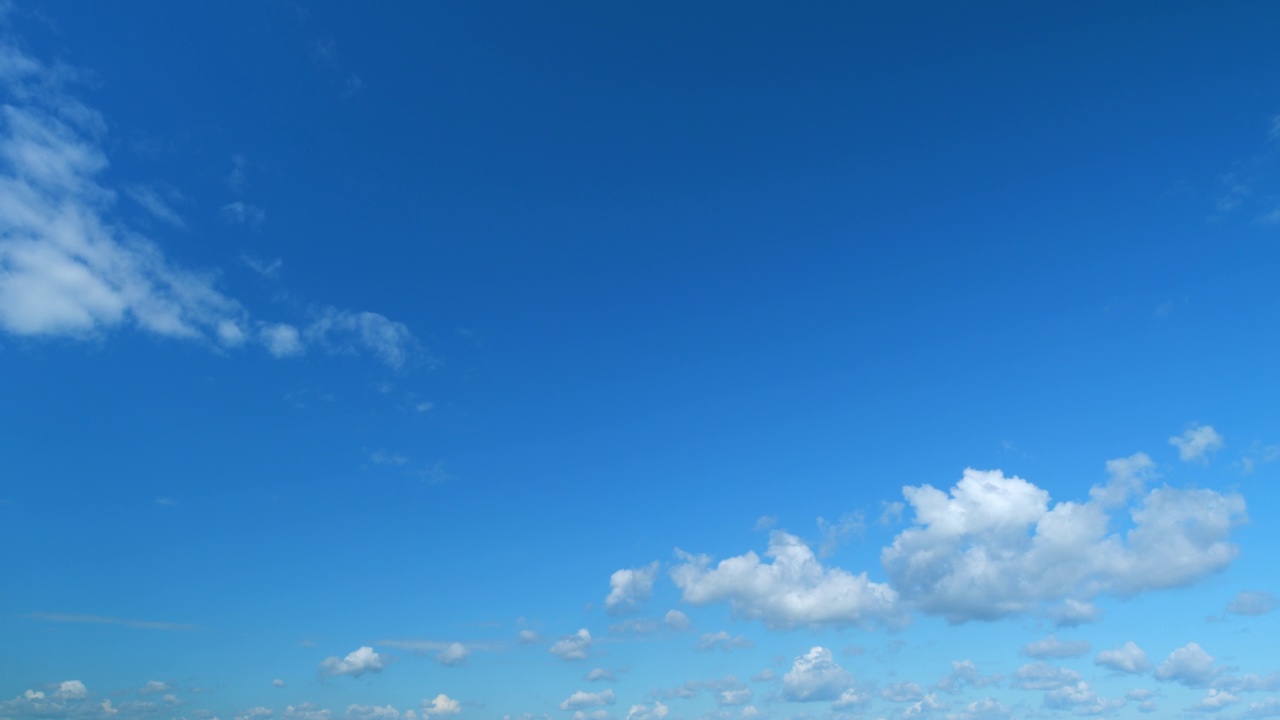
722,640
572,647
306,711
582,699
1128,658
1189,665
453,654
598,674
902,692
985,709
629,588
1253,603
441,705
994,545
373,712
1215,700
795,589
1081,699
815,676
355,664
1042,676
654,711
676,620
1197,442
1052,647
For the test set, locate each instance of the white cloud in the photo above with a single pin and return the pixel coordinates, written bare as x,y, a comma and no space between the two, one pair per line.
722,640
1052,647
676,620
71,690
1081,699
850,699
441,705
582,699
984,709
1253,603
277,683
1249,683
281,340
1128,658
1189,665
654,711
795,589
151,201
928,704
350,332
455,653
70,268
1072,613
630,588
1197,442
1215,700
265,268
526,637
1267,708
994,546
355,664
373,712
598,674
815,676
733,697
902,692
1042,676
306,711
153,687
572,647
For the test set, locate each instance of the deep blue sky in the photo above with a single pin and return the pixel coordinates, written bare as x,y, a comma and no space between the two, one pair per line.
342,344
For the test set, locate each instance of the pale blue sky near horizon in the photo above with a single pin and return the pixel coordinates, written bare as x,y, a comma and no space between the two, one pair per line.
600,361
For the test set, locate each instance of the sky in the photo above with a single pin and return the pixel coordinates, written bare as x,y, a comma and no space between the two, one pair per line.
639,361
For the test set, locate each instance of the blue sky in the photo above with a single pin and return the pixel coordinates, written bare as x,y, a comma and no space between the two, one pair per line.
638,362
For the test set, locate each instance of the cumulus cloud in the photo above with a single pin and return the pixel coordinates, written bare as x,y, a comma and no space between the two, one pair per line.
723,641
1042,676
1253,603
792,590
582,699
994,546
1197,442
441,705
357,663
1052,647
572,647
902,692
984,709
598,674
374,712
676,620
1081,699
815,676
1128,658
1215,700
306,711
455,653
1189,665
649,711
630,588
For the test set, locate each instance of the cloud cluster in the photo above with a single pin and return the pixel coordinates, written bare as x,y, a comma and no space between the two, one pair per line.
792,590
573,647
994,546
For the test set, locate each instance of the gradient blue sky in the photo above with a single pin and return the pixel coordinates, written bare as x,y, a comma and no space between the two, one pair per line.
609,361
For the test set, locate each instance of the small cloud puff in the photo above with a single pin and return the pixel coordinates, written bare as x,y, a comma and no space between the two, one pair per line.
355,664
